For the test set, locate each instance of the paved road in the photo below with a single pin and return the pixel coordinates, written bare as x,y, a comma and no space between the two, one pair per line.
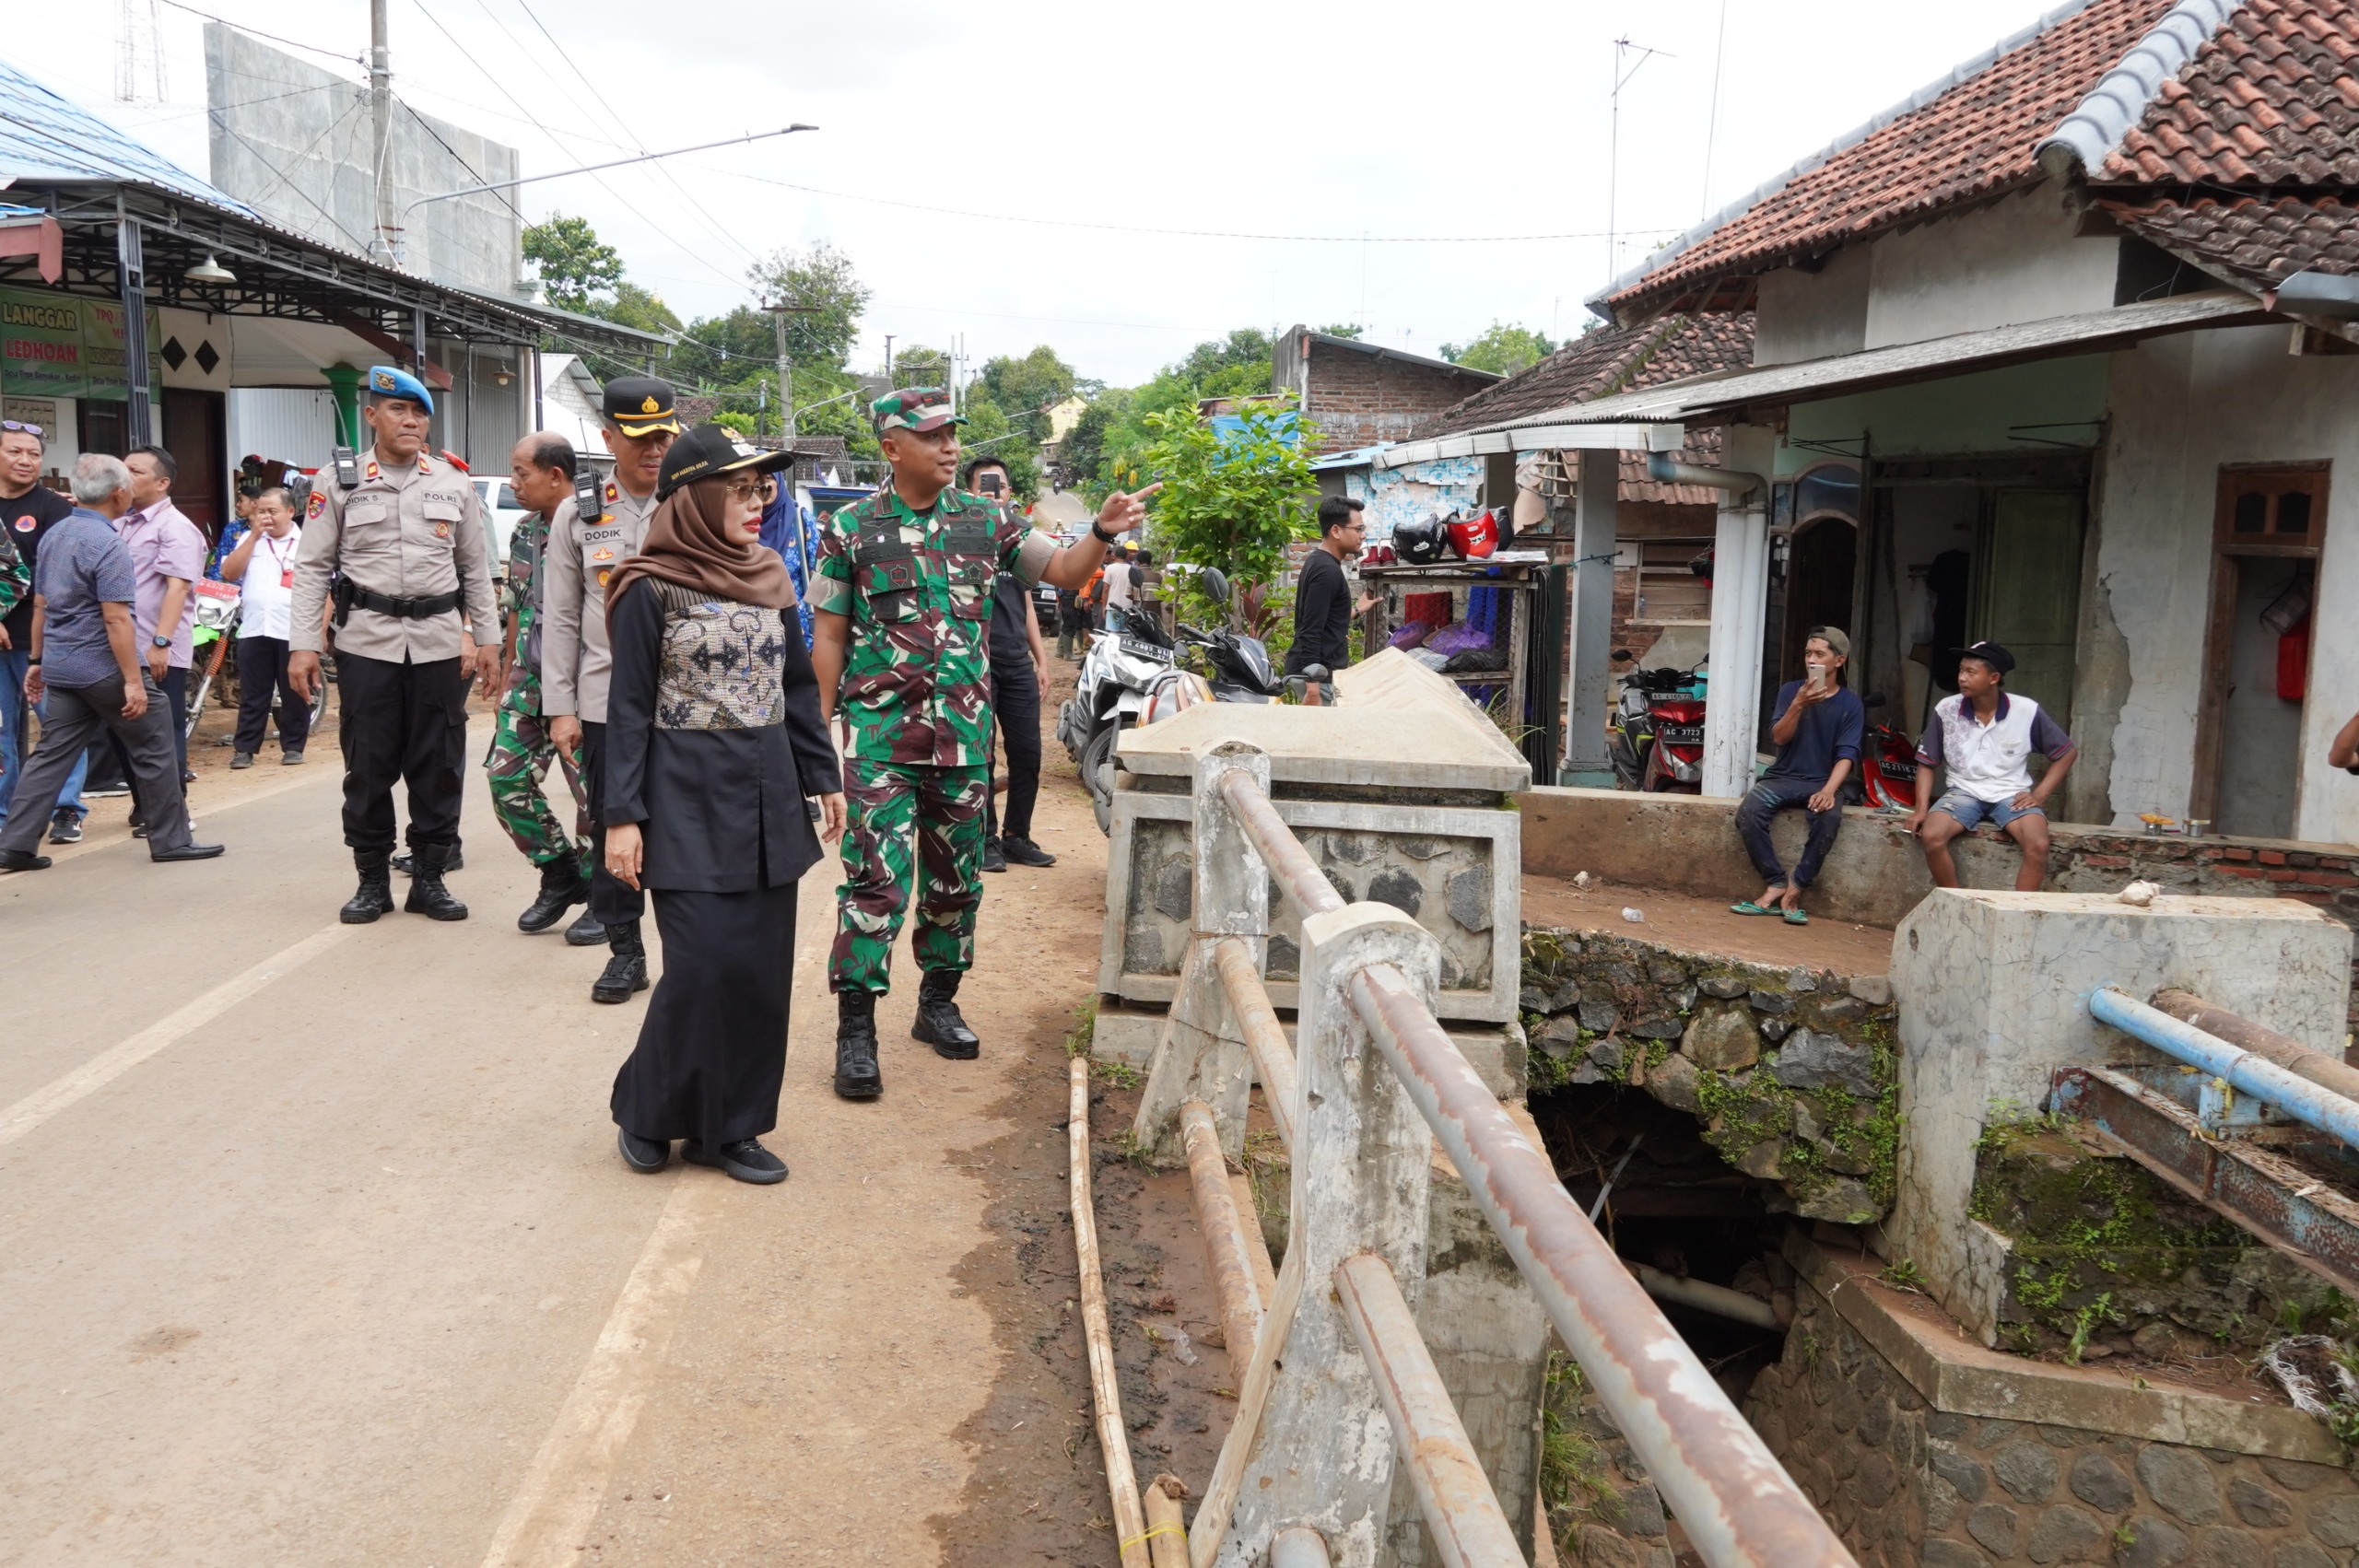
314,1247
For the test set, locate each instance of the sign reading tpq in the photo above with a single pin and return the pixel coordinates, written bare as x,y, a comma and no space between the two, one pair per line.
59,346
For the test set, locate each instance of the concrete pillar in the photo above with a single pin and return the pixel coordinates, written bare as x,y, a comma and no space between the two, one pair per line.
1323,1455
1740,603
1588,695
1993,990
131,276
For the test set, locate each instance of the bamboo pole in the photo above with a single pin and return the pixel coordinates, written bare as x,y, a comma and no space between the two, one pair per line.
1227,1248
1257,1247
1121,1481
1167,1534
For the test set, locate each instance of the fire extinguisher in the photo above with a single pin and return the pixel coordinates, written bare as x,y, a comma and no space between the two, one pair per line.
2293,662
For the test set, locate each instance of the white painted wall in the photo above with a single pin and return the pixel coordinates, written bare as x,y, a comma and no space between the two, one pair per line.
2181,408
285,424
1814,315
2017,260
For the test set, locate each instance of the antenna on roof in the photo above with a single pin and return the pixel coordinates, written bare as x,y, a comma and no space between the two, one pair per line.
1622,48
138,51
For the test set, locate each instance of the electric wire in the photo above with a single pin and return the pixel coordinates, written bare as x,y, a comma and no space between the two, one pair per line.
240,27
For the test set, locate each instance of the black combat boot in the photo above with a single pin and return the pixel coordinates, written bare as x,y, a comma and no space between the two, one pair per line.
856,1074
428,896
587,930
938,1024
561,888
376,894
626,971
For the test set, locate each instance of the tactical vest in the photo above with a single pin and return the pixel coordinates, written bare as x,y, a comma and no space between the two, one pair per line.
885,571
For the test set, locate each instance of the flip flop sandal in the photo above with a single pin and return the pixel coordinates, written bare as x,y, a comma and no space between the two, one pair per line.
1749,907
1796,918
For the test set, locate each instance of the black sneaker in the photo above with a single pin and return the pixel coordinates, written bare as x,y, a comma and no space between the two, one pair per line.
745,1159
1024,852
585,932
65,827
22,861
645,1155
291,759
994,860
239,760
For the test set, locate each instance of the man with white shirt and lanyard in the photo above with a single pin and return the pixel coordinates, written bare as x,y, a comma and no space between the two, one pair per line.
582,553
401,536
262,566
1983,738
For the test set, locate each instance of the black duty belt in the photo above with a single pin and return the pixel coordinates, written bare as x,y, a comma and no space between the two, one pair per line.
408,609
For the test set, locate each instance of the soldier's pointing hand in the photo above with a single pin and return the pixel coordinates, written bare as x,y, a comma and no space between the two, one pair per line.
1123,512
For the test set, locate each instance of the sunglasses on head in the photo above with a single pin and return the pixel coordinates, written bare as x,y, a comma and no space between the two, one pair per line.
27,429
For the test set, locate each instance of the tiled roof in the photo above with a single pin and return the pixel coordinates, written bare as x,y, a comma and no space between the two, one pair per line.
1607,359
1972,141
1614,359
2262,242
2270,101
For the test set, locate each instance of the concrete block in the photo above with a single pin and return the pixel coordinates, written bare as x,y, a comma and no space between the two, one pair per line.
1993,990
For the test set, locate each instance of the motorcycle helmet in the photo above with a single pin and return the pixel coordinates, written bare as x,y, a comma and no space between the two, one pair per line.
1420,543
1474,538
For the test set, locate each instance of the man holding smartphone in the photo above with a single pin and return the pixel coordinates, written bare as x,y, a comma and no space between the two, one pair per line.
1818,728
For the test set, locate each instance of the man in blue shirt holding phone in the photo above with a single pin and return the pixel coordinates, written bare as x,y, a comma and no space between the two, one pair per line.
1818,727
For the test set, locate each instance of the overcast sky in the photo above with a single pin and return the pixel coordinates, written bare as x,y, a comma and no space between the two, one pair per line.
1394,121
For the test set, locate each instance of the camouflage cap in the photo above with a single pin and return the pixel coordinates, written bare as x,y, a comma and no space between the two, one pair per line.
919,409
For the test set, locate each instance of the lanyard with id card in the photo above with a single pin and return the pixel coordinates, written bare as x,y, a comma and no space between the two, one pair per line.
285,571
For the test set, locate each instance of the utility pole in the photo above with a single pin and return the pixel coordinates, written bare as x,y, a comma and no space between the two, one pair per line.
779,314
381,114
888,361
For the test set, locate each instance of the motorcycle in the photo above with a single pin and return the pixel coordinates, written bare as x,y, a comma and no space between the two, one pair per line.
218,605
1656,735
1890,778
1132,677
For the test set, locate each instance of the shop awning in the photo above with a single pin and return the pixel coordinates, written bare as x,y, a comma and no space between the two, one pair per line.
1725,397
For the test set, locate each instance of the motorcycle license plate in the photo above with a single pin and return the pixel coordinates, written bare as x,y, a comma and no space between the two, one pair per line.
1903,771
1139,648
1680,734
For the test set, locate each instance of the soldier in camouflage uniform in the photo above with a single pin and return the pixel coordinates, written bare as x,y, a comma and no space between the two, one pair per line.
903,600
541,473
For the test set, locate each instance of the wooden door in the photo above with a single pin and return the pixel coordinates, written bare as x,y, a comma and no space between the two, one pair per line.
194,434
2269,524
2029,602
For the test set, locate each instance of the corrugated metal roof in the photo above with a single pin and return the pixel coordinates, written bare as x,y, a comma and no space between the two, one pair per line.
44,135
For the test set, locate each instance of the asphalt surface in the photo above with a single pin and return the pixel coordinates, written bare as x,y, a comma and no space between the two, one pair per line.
315,1248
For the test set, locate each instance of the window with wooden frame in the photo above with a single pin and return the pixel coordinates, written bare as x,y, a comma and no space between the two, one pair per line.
2273,510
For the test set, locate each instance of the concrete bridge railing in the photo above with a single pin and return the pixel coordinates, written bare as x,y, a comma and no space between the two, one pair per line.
1338,1387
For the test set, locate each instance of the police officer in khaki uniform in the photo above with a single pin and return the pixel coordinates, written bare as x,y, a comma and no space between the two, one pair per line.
582,553
396,540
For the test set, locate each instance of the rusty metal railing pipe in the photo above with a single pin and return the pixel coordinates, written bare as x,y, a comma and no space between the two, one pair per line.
1737,1503
1297,874
2326,1071
1234,1284
1463,1519
1258,1020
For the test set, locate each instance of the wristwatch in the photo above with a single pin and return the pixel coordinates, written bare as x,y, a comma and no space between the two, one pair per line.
159,642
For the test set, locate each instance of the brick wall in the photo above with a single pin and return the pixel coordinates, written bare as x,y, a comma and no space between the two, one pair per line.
1357,399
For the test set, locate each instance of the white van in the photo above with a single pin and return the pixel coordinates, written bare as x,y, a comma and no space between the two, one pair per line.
502,513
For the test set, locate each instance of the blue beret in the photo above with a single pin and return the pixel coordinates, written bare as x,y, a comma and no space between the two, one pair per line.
392,380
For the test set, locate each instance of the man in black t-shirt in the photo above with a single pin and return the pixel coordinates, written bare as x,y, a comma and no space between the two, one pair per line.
1322,596
28,510
1019,673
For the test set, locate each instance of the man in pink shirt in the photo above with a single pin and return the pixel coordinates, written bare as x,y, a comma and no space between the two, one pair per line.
167,556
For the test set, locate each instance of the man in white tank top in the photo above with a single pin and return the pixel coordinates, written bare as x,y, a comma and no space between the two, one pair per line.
1984,738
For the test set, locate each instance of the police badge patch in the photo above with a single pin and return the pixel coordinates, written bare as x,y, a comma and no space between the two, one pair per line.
441,530
316,508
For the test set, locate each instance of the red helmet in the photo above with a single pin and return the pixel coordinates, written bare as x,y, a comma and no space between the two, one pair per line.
1475,538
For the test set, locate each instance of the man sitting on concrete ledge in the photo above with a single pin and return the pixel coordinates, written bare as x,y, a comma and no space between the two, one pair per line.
1985,738
1817,731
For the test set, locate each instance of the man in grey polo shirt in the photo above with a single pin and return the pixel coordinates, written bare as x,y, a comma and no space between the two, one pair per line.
83,660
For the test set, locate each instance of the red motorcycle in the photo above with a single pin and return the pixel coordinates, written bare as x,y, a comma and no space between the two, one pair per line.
1889,780
1656,734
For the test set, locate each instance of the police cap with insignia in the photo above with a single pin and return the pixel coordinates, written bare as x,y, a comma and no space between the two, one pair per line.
915,409
641,406
707,452
392,381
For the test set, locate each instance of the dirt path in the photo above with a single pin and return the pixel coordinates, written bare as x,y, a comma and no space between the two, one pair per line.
1706,925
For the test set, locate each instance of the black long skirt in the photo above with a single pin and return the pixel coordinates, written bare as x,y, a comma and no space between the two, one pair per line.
713,1053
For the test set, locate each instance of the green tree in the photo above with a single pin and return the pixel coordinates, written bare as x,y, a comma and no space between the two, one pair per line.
1503,348
1233,497
918,366
1351,329
1110,454
575,264
829,297
635,307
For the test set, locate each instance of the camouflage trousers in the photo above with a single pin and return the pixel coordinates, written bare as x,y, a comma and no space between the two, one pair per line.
906,822
519,758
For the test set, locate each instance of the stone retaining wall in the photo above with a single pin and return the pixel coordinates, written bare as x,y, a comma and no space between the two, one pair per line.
1790,1071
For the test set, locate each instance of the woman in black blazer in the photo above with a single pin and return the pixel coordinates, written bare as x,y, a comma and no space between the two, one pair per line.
714,745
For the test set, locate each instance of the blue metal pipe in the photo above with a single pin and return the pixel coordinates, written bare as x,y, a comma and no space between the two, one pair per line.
2250,1074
